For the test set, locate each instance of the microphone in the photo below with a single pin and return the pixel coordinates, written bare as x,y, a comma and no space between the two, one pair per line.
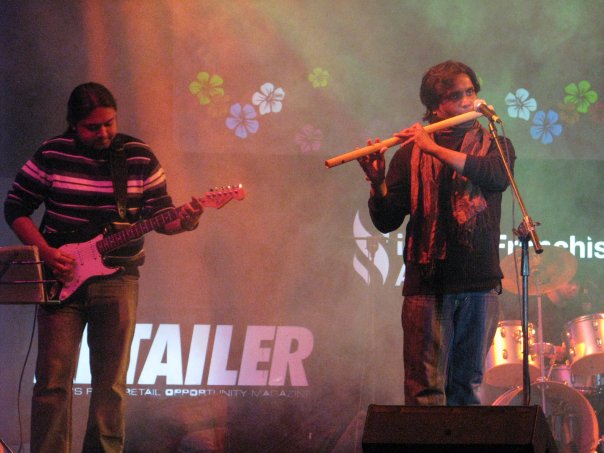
480,105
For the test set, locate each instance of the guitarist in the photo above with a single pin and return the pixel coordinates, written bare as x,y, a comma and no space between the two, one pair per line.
74,175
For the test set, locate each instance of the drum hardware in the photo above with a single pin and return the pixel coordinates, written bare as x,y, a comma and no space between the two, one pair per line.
504,359
562,386
583,338
550,271
562,374
569,414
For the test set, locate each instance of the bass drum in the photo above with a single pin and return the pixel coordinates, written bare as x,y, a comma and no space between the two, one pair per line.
569,415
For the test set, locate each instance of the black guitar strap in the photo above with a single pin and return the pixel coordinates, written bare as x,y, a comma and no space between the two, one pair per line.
131,254
117,160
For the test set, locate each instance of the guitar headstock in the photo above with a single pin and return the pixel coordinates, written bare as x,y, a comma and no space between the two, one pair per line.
219,196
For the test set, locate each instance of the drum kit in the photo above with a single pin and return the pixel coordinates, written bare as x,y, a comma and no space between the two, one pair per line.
570,393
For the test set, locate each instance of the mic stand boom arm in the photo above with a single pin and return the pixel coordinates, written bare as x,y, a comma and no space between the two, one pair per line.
526,230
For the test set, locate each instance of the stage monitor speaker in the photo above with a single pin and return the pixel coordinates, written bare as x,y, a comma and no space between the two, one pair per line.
460,429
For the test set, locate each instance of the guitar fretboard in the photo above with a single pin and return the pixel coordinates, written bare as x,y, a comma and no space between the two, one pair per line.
212,199
120,238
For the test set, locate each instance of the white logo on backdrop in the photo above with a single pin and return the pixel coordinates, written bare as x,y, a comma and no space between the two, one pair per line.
271,356
379,254
369,246
587,248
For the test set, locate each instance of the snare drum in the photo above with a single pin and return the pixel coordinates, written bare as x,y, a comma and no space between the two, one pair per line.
504,359
562,374
571,418
583,337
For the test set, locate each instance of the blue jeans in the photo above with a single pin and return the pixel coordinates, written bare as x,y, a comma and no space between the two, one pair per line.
108,306
446,339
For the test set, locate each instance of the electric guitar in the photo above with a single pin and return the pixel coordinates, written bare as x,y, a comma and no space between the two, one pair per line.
89,255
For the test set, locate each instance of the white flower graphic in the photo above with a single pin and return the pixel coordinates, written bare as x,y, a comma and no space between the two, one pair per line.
519,105
268,99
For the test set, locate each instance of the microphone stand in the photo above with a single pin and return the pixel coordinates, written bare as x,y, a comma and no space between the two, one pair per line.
525,232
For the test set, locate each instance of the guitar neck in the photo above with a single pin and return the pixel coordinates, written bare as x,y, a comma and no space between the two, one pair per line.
215,198
116,240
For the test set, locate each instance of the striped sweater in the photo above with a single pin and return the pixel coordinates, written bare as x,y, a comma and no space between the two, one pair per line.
76,188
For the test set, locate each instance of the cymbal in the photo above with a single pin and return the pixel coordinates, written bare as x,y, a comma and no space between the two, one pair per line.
548,271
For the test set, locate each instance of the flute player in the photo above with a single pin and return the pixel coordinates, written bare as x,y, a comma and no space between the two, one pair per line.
450,184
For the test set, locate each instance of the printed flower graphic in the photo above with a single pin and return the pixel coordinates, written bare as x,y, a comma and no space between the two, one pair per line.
242,120
568,113
268,99
309,139
597,113
219,106
545,127
319,78
520,105
581,95
206,87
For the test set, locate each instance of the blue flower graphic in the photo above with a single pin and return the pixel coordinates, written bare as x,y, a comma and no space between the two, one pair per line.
545,126
519,104
242,121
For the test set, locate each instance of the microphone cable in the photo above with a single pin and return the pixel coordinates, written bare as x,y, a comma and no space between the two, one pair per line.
27,355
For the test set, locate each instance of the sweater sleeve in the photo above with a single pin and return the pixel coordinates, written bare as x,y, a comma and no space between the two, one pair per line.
28,190
488,172
389,212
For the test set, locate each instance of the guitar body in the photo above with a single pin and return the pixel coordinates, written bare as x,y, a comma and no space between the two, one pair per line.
89,263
